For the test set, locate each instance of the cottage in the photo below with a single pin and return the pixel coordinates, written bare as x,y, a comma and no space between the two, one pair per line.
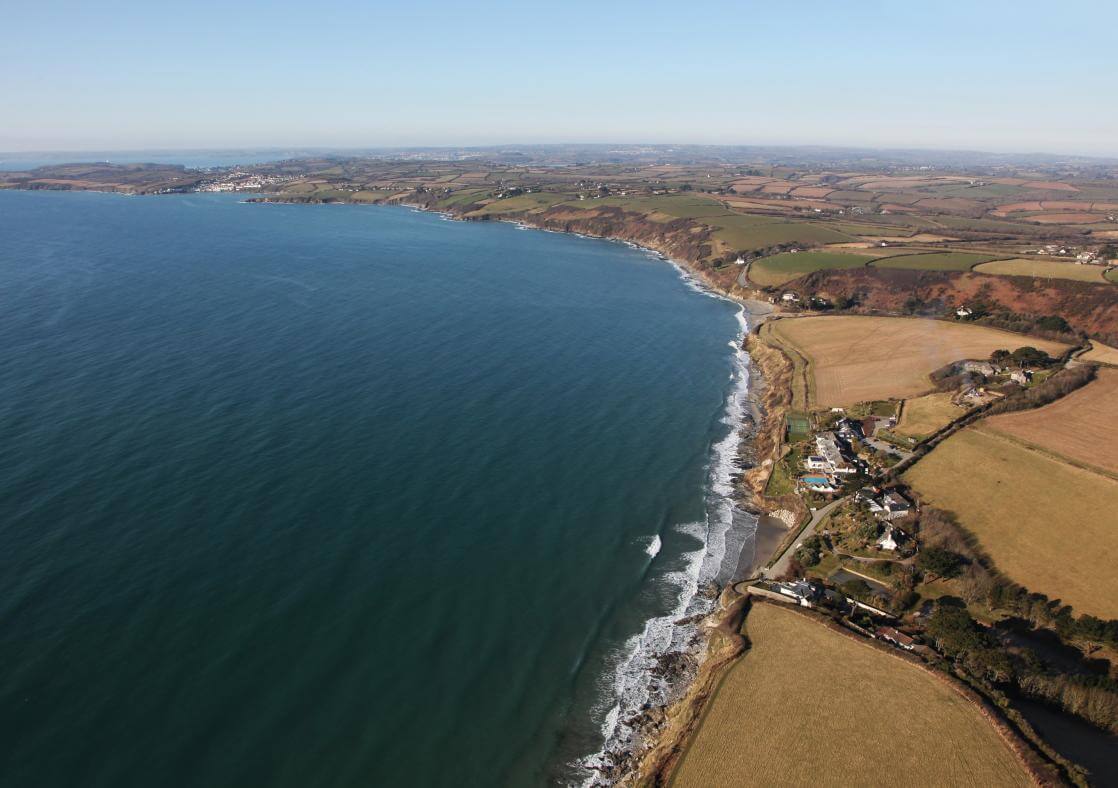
790,298
1022,376
896,637
964,312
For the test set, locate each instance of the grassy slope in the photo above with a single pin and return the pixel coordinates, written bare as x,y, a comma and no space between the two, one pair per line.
934,261
781,268
1042,268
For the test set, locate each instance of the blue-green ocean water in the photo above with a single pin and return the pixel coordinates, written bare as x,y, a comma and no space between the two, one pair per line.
339,495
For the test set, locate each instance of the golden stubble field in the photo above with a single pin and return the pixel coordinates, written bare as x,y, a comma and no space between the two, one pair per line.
808,706
853,358
1101,353
1047,524
1082,427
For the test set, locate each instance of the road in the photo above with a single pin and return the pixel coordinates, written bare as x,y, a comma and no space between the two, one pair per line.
780,566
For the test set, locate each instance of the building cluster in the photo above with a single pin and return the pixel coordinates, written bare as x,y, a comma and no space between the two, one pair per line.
242,181
833,460
884,505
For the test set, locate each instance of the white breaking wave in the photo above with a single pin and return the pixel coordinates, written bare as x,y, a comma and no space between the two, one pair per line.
633,684
654,546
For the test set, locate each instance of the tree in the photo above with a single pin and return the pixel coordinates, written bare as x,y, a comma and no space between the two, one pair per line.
940,562
1024,356
953,630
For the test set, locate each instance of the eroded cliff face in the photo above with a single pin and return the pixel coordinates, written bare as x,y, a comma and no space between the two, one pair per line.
683,240
1087,307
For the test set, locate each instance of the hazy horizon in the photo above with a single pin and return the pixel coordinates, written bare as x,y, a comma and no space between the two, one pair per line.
1004,78
514,145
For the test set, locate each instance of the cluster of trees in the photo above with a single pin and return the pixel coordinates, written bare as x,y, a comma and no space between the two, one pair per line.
1094,698
1026,356
958,636
810,552
997,316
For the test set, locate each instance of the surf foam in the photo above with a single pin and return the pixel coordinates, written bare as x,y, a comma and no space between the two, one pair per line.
634,684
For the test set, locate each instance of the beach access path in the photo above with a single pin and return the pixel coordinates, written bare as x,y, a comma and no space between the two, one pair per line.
780,565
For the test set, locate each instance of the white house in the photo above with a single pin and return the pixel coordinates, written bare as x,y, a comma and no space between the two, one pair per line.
887,540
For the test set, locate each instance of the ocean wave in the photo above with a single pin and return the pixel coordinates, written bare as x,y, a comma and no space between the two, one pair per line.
633,684
654,546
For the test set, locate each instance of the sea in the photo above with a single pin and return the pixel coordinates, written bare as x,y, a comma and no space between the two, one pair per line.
327,495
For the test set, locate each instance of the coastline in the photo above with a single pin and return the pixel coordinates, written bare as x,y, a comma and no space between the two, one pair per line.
645,744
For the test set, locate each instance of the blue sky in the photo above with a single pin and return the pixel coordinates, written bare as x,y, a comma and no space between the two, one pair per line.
1023,76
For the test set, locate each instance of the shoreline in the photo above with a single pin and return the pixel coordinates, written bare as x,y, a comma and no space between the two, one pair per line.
659,732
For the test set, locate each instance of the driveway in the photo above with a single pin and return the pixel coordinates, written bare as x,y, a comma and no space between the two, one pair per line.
780,566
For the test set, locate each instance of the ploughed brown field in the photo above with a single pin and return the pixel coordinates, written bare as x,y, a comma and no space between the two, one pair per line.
1081,427
1064,218
1047,524
809,706
854,359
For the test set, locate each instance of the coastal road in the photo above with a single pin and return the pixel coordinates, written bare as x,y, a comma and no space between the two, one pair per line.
780,566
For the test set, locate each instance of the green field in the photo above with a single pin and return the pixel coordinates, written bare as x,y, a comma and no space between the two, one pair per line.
1047,269
872,230
985,225
465,196
521,203
747,232
989,191
671,206
778,269
1112,274
935,261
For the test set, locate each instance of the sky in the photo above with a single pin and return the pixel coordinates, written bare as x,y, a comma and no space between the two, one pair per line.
989,75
